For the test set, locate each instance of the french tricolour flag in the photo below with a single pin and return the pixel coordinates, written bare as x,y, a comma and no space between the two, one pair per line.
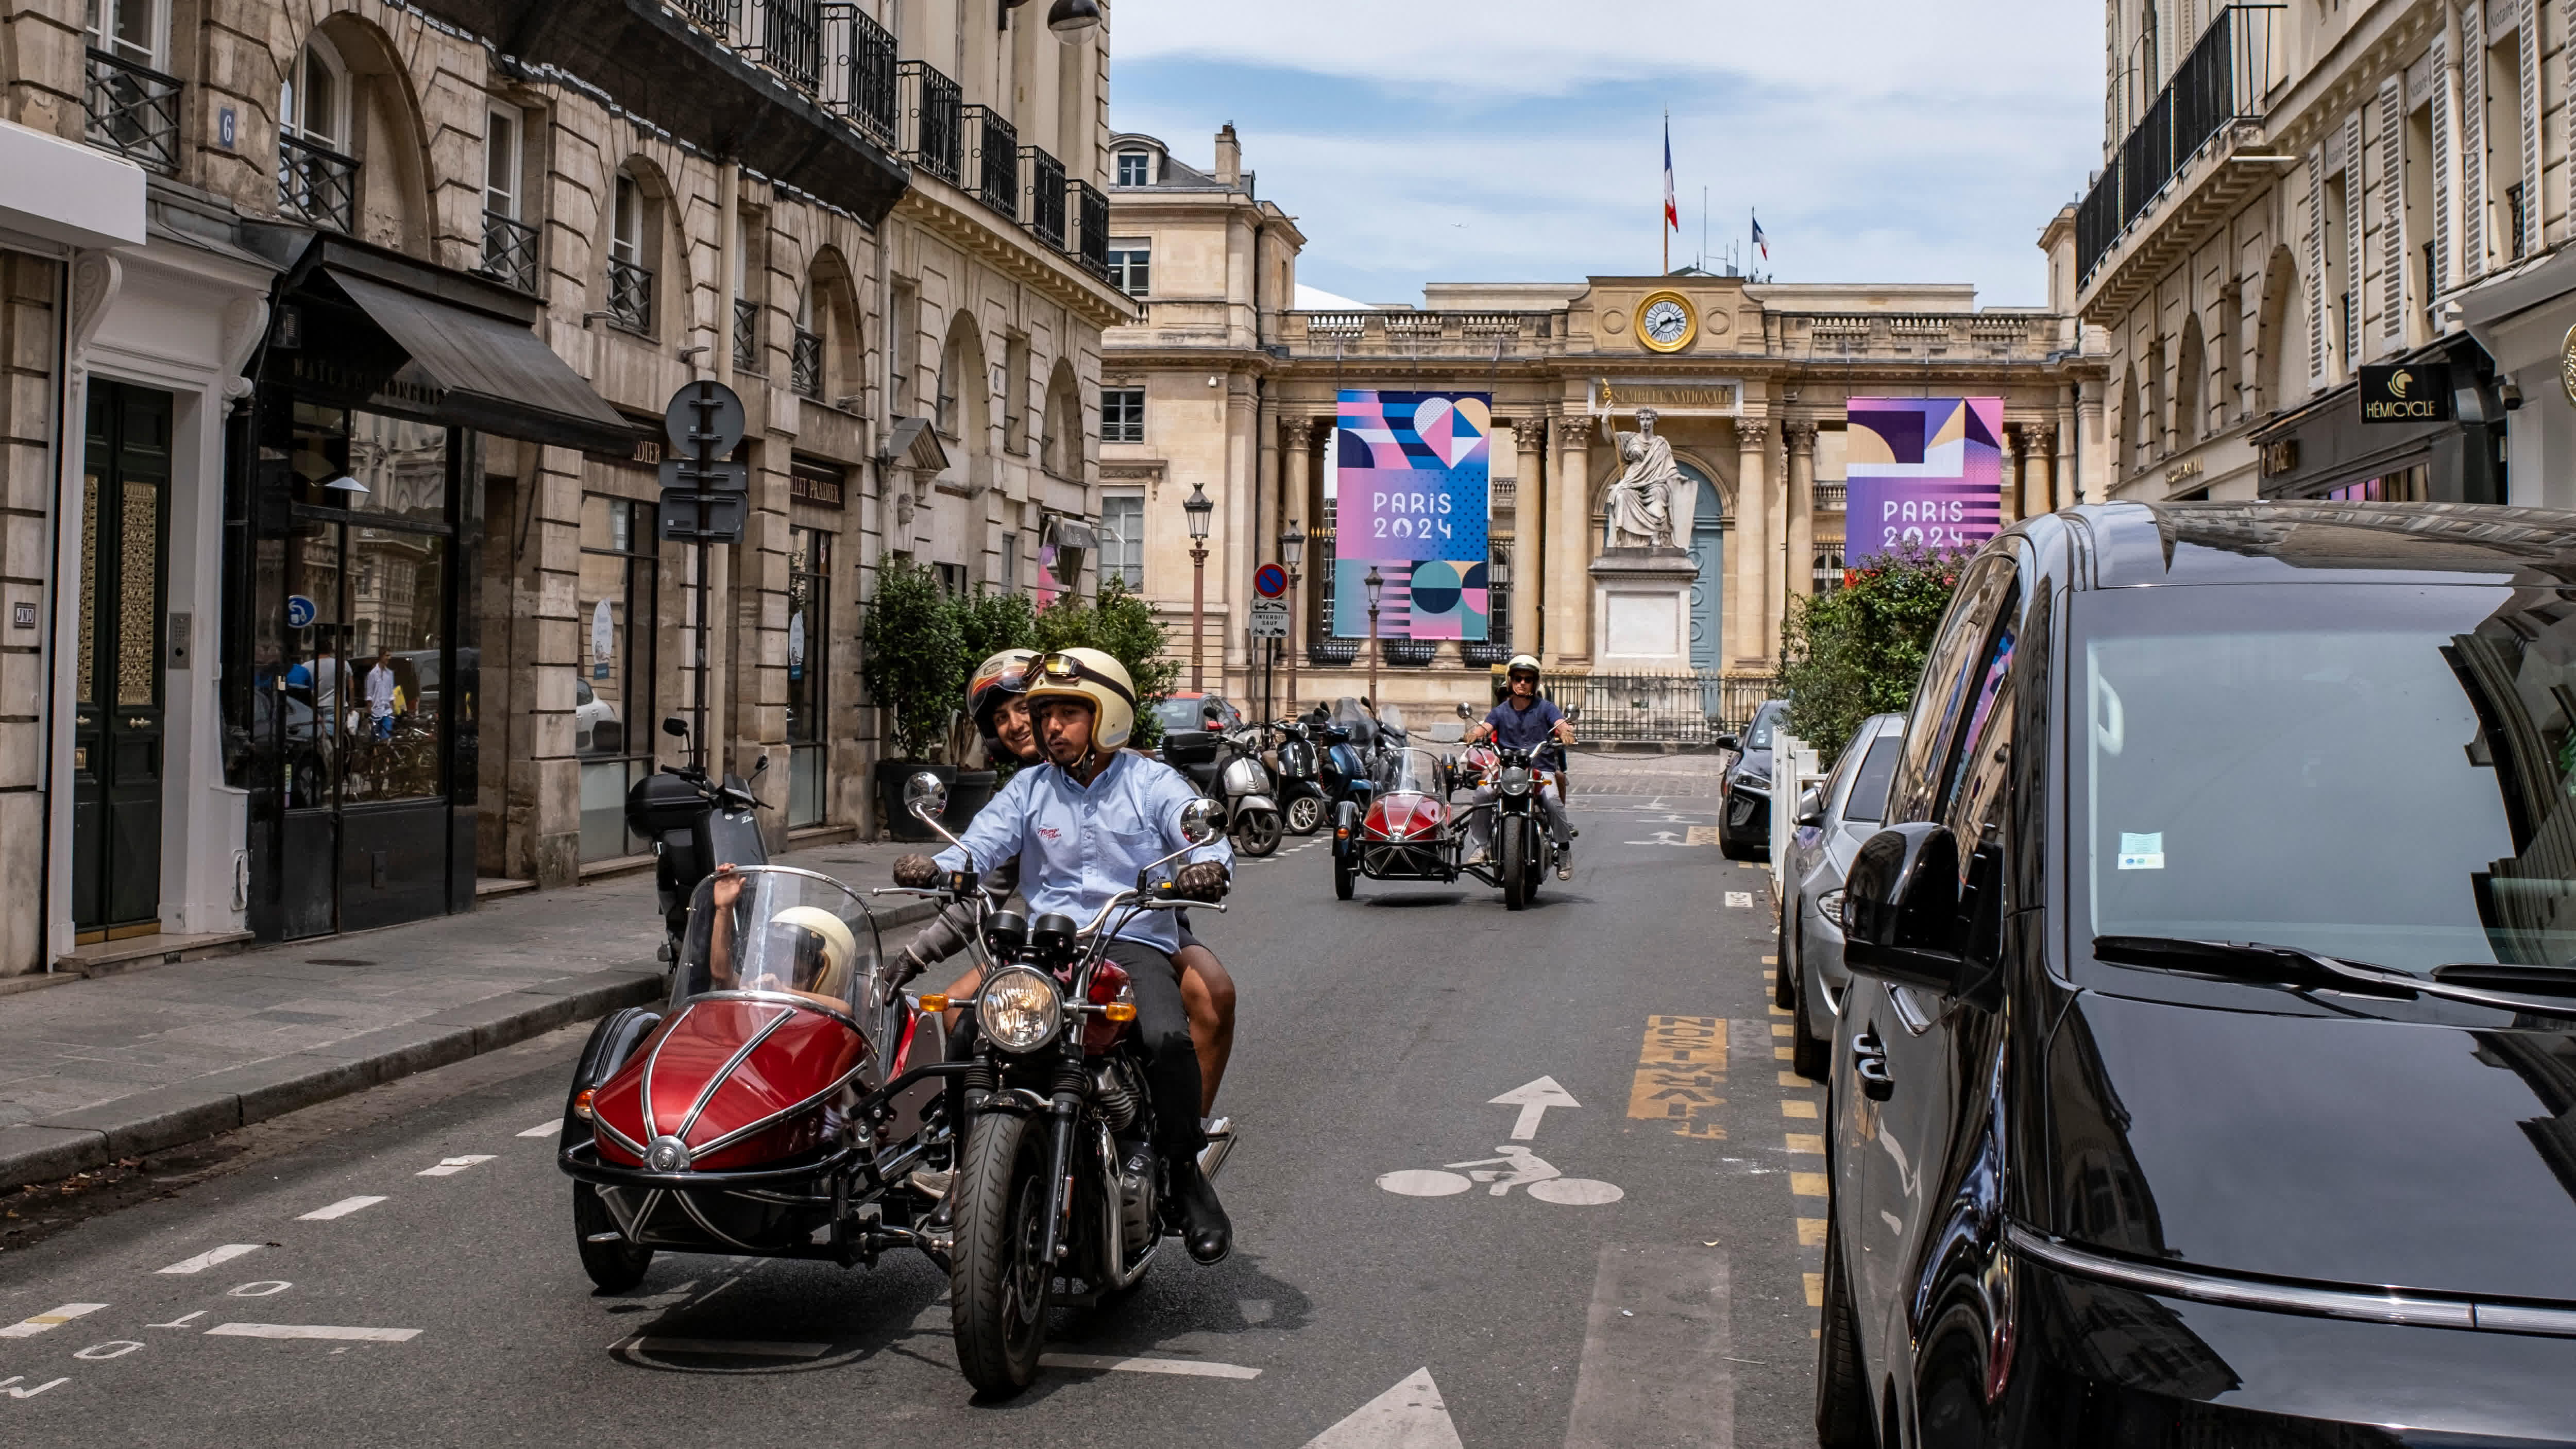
1672,212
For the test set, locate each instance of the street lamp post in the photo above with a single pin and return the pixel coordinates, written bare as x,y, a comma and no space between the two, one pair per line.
1198,506
1374,584
1292,549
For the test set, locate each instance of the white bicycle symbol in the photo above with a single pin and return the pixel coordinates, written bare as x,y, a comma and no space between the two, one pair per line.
1517,1167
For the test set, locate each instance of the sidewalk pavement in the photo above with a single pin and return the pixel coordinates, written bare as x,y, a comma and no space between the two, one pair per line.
116,1066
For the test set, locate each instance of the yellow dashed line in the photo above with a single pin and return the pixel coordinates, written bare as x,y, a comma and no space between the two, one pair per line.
1807,1142
1807,1184
1811,1232
1792,1079
1782,1028
1770,960
1815,1289
1796,1107
1782,1011
1785,1054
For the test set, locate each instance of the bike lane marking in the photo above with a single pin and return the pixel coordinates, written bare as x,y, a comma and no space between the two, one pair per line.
340,1209
450,1166
543,1129
1186,1367
324,1331
1656,1367
1681,1068
49,1320
211,1257
1513,1165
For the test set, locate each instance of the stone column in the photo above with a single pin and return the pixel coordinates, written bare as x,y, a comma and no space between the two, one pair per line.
1801,563
1298,438
1748,561
2089,468
1570,545
2015,440
1529,526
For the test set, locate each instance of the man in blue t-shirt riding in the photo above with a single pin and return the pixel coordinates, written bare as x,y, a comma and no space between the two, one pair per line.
1523,721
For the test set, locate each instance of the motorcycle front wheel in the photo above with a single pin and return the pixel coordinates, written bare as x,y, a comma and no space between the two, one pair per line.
616,1265
1256,832
997,1282
1305,815
1512,862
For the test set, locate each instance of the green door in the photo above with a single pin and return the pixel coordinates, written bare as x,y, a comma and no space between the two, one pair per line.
117,729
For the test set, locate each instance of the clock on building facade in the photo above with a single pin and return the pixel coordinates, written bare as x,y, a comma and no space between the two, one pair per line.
1665,322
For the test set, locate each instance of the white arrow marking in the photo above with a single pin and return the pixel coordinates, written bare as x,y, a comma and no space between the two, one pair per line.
450,1166
1533,1099
1408,1416
211,1257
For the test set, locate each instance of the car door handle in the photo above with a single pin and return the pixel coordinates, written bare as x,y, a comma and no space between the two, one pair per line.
1869,1063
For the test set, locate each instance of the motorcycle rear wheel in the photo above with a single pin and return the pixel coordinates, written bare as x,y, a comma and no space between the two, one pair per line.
615,1266
997,1285
1305,815
1512,863
1256,832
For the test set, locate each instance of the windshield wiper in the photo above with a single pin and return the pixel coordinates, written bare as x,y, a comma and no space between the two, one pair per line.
2305,970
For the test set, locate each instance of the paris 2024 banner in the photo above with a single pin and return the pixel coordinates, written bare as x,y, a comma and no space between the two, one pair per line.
1410,500
1925,474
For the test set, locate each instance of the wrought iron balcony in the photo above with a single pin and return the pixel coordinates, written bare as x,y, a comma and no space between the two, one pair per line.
630,296
1092,217
807,364
316,183
133,111
509,251
746,334
934,139
715,15
1045,214
859,71
996,170
787,37
2224,80
1409,653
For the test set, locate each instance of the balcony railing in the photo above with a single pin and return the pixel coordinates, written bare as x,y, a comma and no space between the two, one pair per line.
997,159
1832,497
134,111
316,183
715,15
630,296
807,364
746,334
2222,81
789,40
1091,215
1045,214
859,71
1682,709
509,251
935,141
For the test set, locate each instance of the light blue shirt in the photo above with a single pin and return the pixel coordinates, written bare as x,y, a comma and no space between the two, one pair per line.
1080,845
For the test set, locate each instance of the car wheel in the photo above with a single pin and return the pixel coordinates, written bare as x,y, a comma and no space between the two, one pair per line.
1842,1397
1809,1057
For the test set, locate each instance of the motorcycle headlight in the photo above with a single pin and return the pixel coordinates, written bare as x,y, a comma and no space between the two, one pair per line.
1516,782
1020,1009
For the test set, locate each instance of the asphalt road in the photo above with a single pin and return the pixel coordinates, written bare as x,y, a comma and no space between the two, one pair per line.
1636,1273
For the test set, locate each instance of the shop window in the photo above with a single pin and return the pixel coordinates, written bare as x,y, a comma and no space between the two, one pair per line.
809,656
618,628
2406,485
1122,538
1122,415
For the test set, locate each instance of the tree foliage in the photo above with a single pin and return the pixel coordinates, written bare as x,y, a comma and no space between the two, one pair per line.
1858,651
1122,625
913,656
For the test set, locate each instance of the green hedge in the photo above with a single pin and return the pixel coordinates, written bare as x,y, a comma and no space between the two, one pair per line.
1858,651
920,647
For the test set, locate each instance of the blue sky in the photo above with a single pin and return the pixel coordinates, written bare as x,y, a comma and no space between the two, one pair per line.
1520,140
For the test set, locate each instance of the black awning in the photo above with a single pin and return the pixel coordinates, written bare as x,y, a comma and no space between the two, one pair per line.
494,375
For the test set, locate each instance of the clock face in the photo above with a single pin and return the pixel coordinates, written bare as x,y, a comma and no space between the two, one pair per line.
1664,323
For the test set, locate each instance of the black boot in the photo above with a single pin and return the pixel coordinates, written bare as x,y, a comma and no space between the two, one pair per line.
1205,1230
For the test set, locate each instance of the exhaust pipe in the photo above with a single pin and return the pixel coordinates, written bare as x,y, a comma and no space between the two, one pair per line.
1220,1141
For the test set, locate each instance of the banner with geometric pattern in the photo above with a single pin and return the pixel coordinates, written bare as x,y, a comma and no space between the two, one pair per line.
1411,495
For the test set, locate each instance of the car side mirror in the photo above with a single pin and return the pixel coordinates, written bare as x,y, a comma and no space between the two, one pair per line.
1727,742
1901,908
1811,806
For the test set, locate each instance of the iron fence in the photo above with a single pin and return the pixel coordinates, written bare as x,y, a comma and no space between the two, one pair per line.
509,251
134,111
807,365
859,71
715,15
317,183
2224,79
1668,709
746,334
630,296
938,109
997,159
1046,196
790,34
1093,218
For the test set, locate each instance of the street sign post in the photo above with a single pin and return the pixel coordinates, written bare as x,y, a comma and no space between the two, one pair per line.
705,499
1269,618
1270,581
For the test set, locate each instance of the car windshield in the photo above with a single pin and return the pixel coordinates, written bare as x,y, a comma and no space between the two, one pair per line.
783,932
1867,803
2378,773
1180,714
1758,735
1414,771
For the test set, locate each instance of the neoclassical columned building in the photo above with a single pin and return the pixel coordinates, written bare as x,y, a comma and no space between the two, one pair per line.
1225,385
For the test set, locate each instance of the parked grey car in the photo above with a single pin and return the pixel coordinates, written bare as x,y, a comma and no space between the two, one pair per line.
1833,819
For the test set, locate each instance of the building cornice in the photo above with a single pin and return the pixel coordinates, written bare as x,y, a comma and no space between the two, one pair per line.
949,214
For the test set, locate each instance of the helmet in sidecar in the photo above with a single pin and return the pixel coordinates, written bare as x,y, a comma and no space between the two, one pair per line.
816,947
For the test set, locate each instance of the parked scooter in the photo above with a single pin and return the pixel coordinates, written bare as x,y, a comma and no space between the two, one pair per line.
695,825
1304,805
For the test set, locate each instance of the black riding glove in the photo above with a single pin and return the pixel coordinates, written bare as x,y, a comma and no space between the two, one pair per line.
915,871
1200,880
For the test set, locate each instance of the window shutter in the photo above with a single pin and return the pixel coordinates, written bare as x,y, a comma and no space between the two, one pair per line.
2473,141
2392,208
2356,192
2316,267
2442,180
2529,89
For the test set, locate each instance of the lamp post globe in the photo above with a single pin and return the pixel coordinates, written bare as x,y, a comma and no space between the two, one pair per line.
1072,17
1200,509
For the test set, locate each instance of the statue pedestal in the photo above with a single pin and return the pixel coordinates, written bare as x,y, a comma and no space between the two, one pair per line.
1641,610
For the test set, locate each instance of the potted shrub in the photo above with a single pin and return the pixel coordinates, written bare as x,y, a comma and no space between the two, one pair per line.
915,670
1121,625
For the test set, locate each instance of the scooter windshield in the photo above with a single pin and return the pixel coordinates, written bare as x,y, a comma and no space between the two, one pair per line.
781,932
1411,771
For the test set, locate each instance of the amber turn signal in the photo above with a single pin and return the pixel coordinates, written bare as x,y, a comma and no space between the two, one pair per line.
581,1104
934,1001
1119,1011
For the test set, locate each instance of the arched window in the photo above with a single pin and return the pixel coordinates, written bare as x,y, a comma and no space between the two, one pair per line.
634,214
317,178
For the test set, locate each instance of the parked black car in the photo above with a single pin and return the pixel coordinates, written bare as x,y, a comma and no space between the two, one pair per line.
2208,1076
1744,788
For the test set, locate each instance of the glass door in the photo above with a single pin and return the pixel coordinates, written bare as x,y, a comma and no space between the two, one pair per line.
117,724
809,567
613,719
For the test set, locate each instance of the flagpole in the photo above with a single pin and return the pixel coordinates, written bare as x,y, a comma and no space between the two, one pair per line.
1664,213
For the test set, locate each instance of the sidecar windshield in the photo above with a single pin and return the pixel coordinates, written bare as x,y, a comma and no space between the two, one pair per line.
1411,771
780,931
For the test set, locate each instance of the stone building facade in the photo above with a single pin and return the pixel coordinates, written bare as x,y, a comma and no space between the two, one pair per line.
1224,383
417,284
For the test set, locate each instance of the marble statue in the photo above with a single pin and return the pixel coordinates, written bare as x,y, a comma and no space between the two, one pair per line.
1643,504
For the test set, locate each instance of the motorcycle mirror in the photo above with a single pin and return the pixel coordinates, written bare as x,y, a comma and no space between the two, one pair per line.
758,766
1464,712
925,796
1199,821
676,726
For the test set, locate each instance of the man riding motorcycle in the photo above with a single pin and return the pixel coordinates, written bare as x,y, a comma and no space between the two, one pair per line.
997,701
1523,721
1083,826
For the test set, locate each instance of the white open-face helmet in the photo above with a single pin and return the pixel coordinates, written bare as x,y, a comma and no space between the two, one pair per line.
1097,678
1519,664
824,946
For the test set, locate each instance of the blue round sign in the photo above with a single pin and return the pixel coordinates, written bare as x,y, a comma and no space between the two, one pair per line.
1270,581
299,612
